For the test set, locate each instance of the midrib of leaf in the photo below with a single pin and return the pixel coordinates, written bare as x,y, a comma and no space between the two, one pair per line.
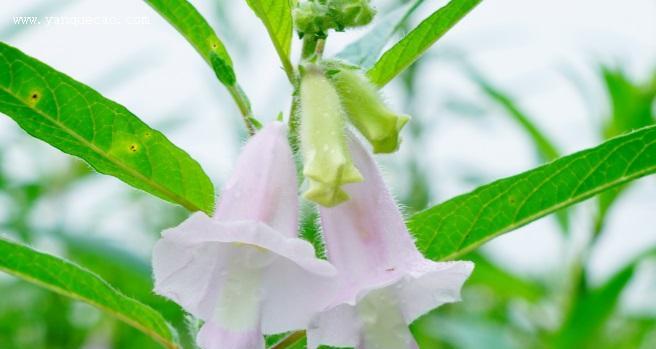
182,201
116,314
540,213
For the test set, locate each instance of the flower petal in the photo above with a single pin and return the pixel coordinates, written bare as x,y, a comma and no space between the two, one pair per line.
193,264
212,336
430,284
263,184
337,327
366,237
382,325
380,315
385,282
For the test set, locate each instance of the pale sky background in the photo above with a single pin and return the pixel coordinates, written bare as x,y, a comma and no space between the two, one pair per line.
544,52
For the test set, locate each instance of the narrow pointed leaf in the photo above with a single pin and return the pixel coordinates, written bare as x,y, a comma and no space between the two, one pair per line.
276,15
465,222
631,108
413,45
192,25
366,50
79,121
504,284
72,281
544,146
592,310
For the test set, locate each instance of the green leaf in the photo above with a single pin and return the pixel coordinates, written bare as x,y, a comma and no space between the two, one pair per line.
193,26
465,222
630,102
75,282
292,340
127,272
277,18
79,121
631,108
366,50
503,283
413,45
593,308
463,332
544,147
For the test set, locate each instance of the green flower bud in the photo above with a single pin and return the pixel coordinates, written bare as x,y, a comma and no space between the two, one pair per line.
311,18
316,17
328,163
367,112
353,13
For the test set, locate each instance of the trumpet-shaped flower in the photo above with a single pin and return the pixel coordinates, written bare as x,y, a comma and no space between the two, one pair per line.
328,164
244,271
384,281
367,111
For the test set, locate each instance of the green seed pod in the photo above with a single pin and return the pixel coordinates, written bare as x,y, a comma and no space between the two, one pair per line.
328,163
367,112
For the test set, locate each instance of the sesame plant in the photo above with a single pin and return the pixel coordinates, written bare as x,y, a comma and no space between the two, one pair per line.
243,270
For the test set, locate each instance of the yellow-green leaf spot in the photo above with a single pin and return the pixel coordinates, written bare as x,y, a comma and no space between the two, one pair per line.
34,98
367,111
328,163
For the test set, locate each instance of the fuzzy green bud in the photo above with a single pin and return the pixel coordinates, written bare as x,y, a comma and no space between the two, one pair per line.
367,111
353,13
328,163
311,18
317,17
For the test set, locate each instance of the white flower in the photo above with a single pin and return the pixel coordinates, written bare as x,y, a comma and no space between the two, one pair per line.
385,283
244,271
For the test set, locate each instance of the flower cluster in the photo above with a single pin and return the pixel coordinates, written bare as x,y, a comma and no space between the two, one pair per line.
316,17
246,273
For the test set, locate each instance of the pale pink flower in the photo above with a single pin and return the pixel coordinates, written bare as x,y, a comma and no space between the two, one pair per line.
384,282
245,272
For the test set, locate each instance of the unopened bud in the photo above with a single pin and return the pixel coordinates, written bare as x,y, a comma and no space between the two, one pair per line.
328,163
367,111
317,17
353,13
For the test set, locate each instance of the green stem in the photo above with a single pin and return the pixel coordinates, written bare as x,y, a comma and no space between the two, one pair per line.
244,106
309,45
289,70
318,48
294,121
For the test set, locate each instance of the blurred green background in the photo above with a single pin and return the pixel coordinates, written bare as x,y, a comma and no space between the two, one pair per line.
514,86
